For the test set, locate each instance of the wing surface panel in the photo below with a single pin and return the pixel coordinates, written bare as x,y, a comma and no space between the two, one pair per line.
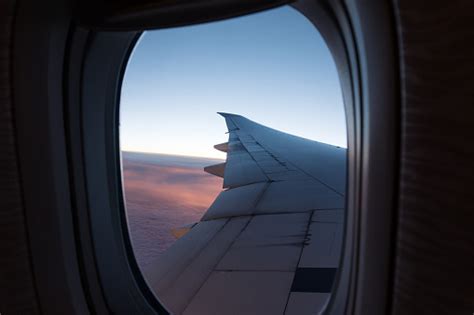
321,161
183,252
236,202
269,242
185,285
248,292
306,303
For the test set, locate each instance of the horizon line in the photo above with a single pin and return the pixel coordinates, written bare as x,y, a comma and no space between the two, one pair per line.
173,154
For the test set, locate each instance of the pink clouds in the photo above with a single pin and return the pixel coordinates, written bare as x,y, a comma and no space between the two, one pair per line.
185,187
160,198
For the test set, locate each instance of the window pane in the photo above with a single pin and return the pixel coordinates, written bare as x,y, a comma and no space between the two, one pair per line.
253,225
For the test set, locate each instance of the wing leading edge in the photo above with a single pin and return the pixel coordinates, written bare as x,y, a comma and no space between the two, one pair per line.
270,243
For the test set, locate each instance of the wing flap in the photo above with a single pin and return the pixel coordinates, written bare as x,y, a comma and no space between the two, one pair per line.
324,246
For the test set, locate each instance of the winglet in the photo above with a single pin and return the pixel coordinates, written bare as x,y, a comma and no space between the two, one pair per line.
228,115
228,120
224,114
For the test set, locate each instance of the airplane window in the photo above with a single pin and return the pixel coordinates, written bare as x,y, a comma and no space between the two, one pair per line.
233,140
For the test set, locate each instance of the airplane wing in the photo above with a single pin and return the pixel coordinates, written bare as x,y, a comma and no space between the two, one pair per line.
270,243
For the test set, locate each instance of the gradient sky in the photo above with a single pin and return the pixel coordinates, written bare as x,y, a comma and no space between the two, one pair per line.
272,67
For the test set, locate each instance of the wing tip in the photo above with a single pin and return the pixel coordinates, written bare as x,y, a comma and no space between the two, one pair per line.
225,115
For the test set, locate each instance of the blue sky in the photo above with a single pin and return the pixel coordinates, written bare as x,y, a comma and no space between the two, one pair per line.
272,67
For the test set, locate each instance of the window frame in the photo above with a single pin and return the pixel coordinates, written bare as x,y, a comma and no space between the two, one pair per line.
80,71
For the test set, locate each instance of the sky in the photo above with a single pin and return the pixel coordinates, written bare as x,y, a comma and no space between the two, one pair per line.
271,67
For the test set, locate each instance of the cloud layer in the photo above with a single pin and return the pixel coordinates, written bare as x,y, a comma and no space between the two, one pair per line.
160,198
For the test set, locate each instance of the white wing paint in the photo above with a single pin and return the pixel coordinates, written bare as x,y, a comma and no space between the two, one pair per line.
270,243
